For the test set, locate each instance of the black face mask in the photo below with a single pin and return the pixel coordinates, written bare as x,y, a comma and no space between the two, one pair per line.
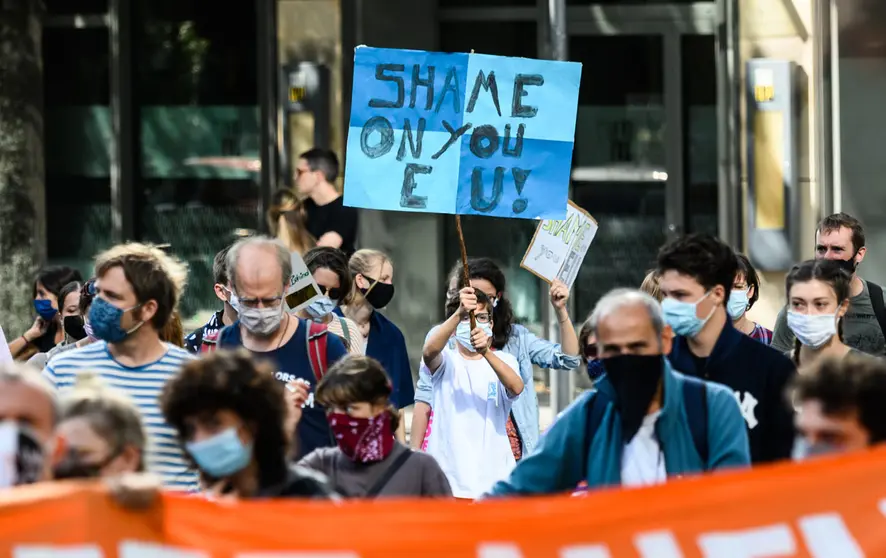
849,265
29,458
74,466
74,327
378,294
635,379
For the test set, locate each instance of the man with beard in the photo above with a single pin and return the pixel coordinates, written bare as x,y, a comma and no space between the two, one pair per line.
630,429
259,270
840,237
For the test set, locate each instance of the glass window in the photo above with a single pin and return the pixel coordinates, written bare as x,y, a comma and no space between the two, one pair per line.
197,100
78,7
77,137
485,4
699,71
619,159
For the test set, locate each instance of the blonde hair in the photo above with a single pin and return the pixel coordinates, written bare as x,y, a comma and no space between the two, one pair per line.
287,220
362,263
153,274
110,413
650,285
21,373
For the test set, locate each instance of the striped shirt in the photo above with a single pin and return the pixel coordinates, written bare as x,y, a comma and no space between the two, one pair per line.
761,334
143,385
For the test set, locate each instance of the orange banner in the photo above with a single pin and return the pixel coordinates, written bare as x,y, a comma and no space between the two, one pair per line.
832,508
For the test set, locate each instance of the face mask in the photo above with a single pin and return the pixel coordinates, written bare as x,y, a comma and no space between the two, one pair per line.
682,316
73,466
364,440
87,327
804,450
105,320
635,379
321,307
848,265
44,309
738,304
463,334
74,327
595,369
378,294
22,457
813,330
233,300
261,321
221,455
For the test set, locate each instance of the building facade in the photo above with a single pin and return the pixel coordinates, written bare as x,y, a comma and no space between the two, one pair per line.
142,94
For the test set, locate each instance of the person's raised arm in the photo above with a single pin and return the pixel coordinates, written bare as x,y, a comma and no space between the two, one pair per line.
568,338
506,375
437,340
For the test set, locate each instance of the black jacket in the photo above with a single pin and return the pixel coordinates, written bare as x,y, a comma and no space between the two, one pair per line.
300,482
759,376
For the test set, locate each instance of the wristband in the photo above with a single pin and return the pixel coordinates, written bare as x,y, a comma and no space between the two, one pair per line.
26,340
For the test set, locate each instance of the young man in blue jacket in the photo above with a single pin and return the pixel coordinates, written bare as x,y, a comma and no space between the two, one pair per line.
643,423
696,274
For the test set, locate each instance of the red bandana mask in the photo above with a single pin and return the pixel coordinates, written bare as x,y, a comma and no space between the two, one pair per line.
360,439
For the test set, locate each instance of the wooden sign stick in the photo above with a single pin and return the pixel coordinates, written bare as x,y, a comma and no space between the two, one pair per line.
464,263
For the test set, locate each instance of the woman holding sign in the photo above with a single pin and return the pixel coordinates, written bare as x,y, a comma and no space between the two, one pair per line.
512,338
373,275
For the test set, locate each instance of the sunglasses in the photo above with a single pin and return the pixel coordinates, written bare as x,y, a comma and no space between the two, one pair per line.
590,351
333,293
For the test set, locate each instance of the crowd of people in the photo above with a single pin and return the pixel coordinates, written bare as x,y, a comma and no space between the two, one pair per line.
265,402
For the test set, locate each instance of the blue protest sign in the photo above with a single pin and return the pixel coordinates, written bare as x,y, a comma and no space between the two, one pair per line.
469,134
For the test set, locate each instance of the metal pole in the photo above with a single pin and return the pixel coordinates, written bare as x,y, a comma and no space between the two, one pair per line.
821,14
561,382
123,164
729,96
268,91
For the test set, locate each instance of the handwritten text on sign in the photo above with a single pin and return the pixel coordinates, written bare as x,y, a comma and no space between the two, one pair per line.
558,247
461,133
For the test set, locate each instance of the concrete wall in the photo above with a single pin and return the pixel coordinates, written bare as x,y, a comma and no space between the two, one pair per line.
783,29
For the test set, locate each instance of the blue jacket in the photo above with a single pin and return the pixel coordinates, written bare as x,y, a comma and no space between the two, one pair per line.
557,465
528,349
759,376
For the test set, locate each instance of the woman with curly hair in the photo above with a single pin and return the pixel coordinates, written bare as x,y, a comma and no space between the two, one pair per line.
368,461
232,420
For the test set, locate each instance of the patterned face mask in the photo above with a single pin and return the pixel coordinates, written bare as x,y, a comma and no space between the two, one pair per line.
364,440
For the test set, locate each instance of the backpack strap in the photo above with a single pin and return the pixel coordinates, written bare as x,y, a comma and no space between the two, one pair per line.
383,481
876,292
345,331
695,401
316,344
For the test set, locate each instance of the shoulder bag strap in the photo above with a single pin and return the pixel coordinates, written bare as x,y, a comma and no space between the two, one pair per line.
389,474
876,292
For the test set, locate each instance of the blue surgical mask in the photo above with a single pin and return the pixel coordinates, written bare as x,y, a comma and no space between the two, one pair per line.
738,303
104,319
463,334
595,369
321,307
813,330
221,455
683,317
803,450
44,309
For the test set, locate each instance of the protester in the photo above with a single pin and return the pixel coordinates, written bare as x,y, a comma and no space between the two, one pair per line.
745,292
138,287
329,267
373,274
29,413
200,340
588,343
697,273
473,390
328,219
840,237
71,320
229,413
259,269
102,432
650,285
643,423
47,331
840,404
287,222
514,339
368,461
818,298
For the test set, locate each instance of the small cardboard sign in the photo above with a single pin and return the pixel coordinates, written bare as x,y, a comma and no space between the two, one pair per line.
558,246
302,287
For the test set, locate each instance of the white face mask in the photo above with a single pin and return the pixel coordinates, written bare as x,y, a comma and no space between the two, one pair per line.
262,322
813,330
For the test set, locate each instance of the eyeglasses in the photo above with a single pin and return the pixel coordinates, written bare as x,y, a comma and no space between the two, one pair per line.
271,302
482,318
590,351
334,292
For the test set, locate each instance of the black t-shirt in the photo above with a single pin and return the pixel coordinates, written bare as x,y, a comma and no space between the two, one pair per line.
333,217
46,341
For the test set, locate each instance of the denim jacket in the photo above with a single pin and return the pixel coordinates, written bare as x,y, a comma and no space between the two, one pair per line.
528,349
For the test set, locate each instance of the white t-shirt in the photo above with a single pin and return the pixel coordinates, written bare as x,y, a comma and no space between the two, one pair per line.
471,407
642,461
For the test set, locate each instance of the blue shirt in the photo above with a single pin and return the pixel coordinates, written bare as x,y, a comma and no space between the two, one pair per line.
291,362
387,345
143,385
